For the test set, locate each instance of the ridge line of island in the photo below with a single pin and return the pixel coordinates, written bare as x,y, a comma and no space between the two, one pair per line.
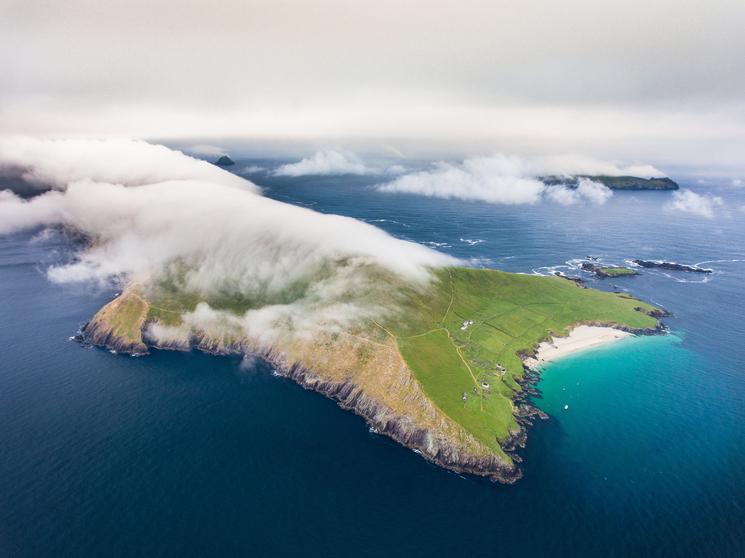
613,182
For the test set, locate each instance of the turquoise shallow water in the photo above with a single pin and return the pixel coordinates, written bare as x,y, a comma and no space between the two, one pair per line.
645,444
189,455
636,408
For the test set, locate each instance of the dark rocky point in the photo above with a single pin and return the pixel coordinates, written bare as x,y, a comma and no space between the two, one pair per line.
672,266
224,161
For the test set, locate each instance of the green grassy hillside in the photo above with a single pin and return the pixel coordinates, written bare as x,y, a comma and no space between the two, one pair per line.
463,339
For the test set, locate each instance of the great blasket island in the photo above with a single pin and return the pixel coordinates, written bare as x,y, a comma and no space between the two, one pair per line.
443,373
617,182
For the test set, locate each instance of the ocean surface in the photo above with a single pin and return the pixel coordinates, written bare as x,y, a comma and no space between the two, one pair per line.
184,454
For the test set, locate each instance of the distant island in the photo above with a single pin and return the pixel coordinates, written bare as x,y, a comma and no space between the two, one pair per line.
672,266
606,271
616,182
446,374
224,161
603,271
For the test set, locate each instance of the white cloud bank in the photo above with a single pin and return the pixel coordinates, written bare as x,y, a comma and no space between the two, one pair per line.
325,162
688,201
205,150
510,180
586,190
497,179
208,230
55,163
573,165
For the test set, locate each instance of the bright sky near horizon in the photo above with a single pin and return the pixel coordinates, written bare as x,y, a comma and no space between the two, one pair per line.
658,80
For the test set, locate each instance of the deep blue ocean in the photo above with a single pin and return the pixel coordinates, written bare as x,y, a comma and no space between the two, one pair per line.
184,454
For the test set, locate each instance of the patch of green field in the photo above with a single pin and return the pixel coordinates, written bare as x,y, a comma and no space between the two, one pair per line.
617,271
455,386
463,337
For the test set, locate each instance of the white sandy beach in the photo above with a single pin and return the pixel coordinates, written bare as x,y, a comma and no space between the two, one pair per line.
580,338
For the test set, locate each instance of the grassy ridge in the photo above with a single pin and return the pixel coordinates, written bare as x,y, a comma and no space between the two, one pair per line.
470,373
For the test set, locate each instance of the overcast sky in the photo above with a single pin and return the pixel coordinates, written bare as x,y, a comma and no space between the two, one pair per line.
655,80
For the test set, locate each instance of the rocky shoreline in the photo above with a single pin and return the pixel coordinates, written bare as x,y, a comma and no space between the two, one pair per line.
96,334
432,447
401,429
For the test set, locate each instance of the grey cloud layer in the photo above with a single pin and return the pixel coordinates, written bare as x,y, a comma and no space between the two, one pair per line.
662,78
479,49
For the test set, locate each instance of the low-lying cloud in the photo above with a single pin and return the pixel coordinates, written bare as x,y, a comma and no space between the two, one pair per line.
497,179
205,150
688,201
586,190
510,180
216,238
577,165
325,162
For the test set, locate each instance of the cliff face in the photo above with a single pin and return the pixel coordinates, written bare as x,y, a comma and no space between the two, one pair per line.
453,450
364,376
118,325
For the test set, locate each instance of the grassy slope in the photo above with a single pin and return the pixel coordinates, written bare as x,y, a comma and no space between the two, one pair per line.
511,314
